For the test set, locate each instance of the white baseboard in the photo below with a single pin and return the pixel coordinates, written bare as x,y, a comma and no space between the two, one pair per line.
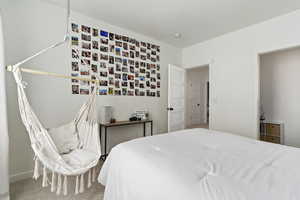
20,176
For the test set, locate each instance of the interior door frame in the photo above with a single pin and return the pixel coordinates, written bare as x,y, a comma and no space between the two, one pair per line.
207,99
184,91
258,82
209,65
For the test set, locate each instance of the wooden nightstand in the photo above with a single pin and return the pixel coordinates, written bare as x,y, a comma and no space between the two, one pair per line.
272,132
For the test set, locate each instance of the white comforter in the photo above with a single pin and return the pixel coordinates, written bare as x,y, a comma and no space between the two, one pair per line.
200,164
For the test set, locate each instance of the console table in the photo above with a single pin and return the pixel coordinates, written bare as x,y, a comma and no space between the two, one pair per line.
105,126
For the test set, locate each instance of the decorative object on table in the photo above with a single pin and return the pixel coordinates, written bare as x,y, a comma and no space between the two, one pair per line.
113,120
125,66
134,118
106,114
139,115
262,118
262,113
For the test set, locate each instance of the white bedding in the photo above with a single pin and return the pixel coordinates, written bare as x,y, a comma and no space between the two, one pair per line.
199,164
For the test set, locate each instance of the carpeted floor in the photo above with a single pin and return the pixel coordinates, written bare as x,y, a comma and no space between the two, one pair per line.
30,189
206,126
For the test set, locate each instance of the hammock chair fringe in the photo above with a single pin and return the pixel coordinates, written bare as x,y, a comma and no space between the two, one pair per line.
59,182
94,175
53,182
89,179
65,185
81,190
36,173
45,178
77,185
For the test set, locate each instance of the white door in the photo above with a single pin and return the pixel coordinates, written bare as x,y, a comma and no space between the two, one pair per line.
176,98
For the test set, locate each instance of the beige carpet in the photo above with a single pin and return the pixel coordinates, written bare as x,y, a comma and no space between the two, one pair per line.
31,190
206,126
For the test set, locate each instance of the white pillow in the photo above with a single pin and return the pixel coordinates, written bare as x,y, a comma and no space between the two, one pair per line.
65,138
79,158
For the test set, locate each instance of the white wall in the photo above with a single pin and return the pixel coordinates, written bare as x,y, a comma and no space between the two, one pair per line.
196,94
234,70
32,25
280,96
4,186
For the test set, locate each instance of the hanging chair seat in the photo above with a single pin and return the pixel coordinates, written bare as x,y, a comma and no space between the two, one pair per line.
72,149
79,158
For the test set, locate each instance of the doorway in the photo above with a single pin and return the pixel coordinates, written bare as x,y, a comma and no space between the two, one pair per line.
279,97
197,97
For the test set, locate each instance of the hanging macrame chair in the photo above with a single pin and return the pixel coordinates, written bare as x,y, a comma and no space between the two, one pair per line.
69,150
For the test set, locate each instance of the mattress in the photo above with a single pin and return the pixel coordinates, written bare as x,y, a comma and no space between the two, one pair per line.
200,164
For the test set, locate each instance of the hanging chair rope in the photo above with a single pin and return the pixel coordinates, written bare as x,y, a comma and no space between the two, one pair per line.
66,39
11,68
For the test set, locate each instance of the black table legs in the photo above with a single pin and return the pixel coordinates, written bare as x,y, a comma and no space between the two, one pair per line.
151,128
144,126
105,143
103,157
100,133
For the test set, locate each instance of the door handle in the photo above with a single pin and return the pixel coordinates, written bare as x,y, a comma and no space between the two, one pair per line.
170,109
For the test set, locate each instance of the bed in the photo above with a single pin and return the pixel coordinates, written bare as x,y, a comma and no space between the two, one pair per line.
200,164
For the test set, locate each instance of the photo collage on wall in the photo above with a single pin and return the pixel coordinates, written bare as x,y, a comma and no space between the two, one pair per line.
124,65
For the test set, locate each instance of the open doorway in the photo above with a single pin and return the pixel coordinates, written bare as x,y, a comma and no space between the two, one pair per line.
280,97
197,97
